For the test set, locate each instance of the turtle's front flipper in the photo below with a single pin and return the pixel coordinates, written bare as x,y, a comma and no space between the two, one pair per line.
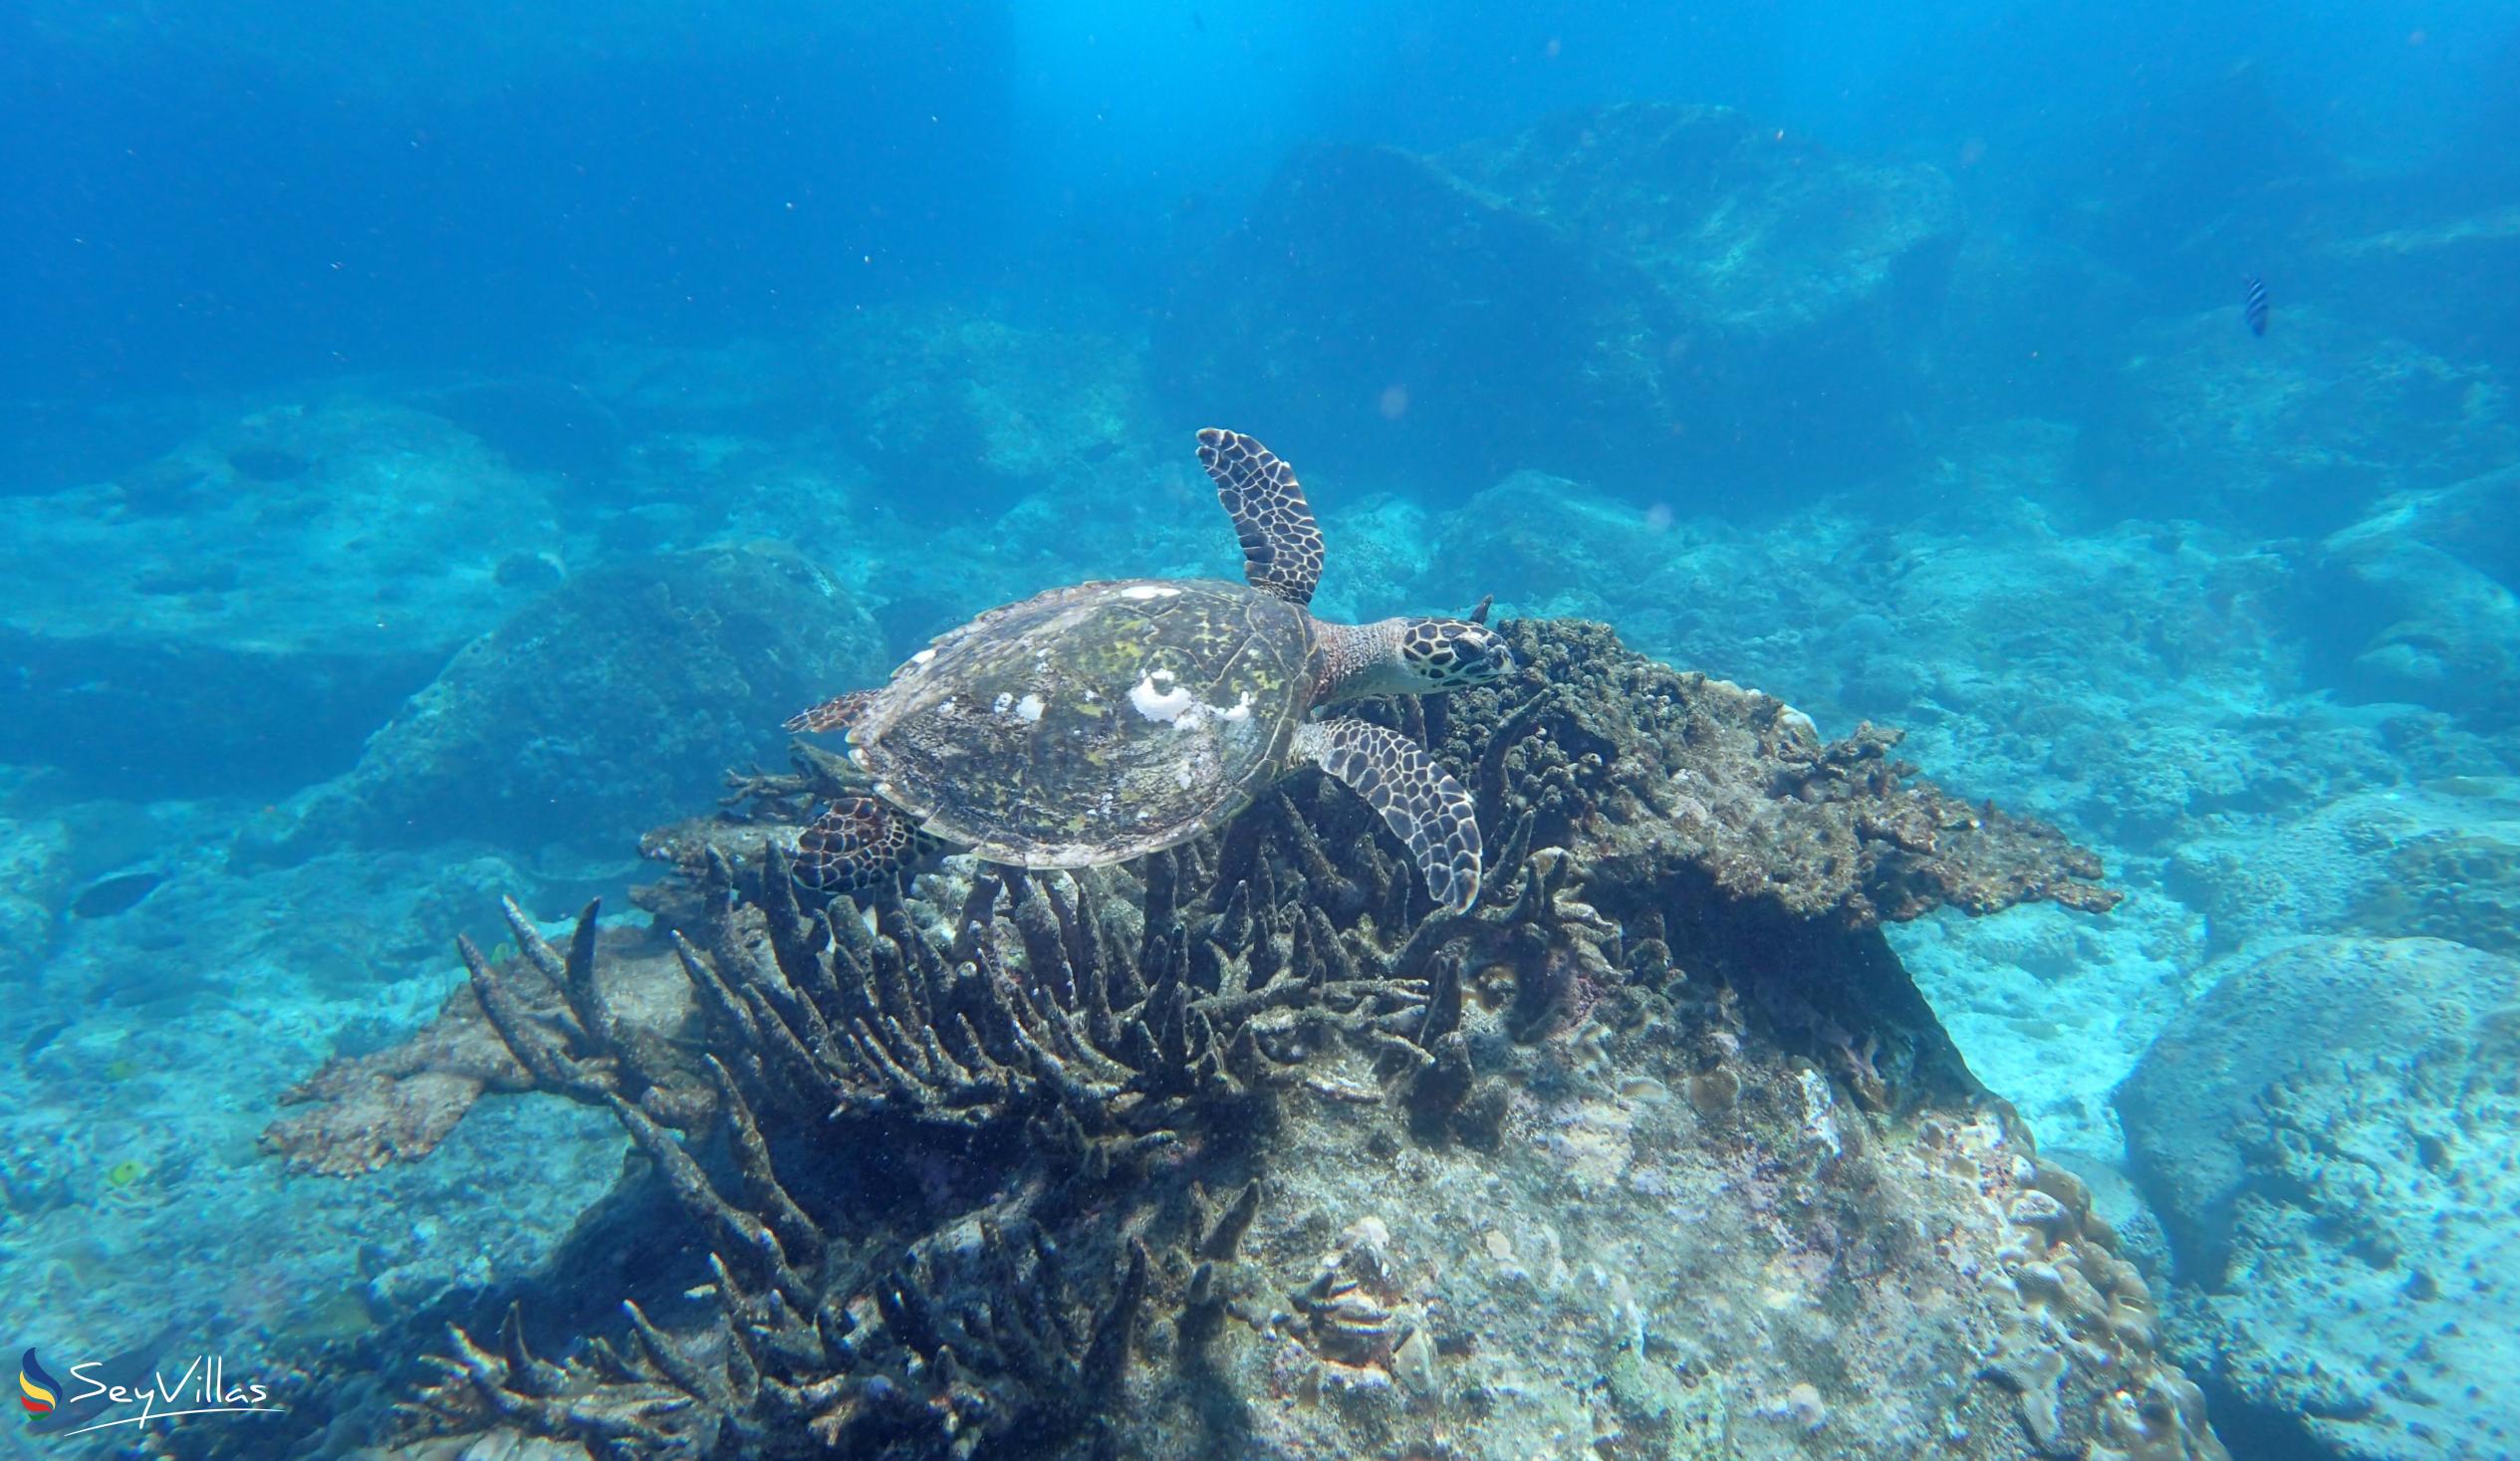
1281,545
1417,798
859,842
833,715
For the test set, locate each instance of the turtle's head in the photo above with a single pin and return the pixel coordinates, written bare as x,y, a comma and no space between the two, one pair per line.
1410,657
1451,654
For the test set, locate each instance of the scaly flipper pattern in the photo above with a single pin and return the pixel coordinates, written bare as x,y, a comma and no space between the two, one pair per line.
1417,798
833,715
1281,545
858,842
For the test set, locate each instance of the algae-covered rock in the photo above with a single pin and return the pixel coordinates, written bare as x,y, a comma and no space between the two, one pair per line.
1634,294
2330,1138
624,690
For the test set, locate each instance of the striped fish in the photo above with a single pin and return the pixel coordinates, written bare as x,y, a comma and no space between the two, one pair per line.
2253,309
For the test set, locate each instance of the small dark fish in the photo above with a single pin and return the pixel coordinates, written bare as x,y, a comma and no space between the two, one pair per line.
119,894
2254,307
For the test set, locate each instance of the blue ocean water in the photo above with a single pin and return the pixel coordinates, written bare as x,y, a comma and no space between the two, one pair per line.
438,443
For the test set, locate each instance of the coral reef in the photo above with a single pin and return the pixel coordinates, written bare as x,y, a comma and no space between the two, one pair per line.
567,725
2461,884
2084,1331
1657,1152
2144,684
1627,293
1233,1152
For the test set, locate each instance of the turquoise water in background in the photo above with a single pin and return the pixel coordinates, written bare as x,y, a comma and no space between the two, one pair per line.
436,442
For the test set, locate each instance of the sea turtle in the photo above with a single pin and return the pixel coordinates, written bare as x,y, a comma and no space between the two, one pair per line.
1101,722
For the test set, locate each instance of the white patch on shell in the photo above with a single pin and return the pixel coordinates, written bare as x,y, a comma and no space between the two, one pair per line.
1155,703
922,656
1028,709
1147,591
1157,698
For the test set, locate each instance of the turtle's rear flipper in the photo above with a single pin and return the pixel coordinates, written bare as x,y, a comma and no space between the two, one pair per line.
1417,798
833,715
858,842
1281,545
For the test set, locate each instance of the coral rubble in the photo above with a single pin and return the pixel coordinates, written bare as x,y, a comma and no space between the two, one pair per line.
1236,1152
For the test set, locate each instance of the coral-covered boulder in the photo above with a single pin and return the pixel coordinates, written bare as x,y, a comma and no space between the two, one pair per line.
625,690
242,611
34,876
1239,1150
2395,269
2295,434
961,412
2424,606
2330,1137
1632,294
1549,546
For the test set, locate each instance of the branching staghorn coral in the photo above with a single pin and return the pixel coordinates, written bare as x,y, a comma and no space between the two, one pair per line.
946,1157
1096,1021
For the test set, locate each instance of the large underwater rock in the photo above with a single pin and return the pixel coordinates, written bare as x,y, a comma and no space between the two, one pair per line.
241,612
1237,1152
961,412
2332,1138
1638,294
2395,270
2421,600
2295,434
626,689
34,883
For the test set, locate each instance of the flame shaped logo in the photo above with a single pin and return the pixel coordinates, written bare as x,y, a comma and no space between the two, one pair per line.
37,1391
